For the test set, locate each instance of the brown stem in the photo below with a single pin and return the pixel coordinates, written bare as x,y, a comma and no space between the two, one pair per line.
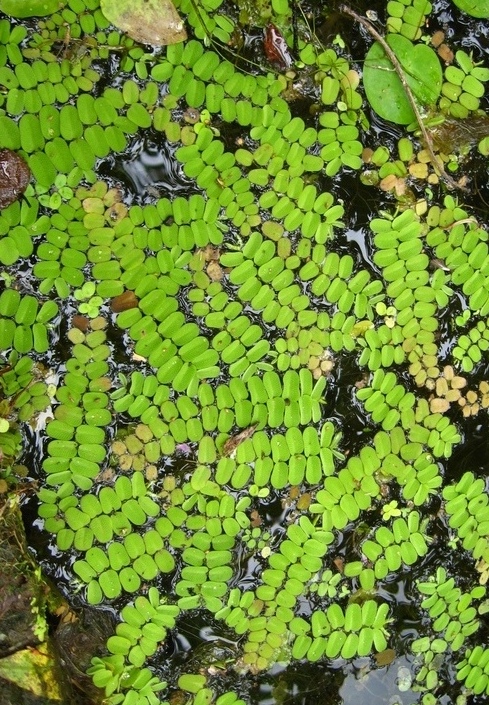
437,162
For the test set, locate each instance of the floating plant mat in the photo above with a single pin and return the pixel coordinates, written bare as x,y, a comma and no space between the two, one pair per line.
248,426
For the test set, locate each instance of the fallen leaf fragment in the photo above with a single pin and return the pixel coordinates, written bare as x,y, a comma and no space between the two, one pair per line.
154,22
124,301
234,441
439,406
14,177
384,658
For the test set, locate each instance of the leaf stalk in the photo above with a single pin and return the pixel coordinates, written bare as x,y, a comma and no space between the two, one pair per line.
435,159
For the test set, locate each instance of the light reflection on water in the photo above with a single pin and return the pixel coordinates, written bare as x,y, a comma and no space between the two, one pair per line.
373,687
147,170
359,682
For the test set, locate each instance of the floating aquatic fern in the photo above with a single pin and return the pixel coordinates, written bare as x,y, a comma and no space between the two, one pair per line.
242,299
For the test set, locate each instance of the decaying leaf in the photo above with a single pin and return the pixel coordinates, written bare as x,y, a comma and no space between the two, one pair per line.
81,323
138,358
339,563
437,38
210,253
255,519
384,658
124,301
276,49
393,183
14,177
439,405
234,441
154,22
304,501
214,271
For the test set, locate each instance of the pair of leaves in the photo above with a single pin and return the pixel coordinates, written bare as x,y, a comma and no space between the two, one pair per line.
385,92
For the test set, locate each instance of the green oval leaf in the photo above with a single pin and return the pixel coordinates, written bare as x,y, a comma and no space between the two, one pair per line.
29,8
475,8
383,86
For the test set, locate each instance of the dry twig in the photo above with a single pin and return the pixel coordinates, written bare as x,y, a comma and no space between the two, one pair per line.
437,162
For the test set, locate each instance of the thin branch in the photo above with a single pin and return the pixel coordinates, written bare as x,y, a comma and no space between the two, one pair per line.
437,162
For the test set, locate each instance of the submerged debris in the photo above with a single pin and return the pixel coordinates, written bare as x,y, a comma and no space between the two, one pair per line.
234,441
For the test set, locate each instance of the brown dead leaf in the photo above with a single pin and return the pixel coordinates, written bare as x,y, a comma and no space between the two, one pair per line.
106,475
294,492
124,301
113,195
384,658
448,372
437,38
304,501
81,322
424,156
441,386
458,382
14,177
453,395
439,406
138,358
214,271
445,53
255,519
93,204
419,171
210,253
367,155
393,183
66,615
116,212
339,563
234,441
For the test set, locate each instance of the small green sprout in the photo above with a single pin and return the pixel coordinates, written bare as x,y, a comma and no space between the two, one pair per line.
89,303
390,510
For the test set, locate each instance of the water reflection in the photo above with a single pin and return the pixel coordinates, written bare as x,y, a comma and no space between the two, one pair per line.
147,170
388,685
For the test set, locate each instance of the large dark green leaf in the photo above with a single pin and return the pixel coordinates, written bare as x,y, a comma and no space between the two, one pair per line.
476,8
383,86
154,22
29,8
